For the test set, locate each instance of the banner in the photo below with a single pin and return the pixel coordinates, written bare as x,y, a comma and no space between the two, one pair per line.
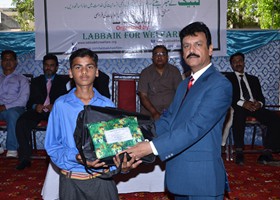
123,28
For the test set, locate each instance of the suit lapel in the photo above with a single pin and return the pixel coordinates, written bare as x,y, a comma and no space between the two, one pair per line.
44,86
235,84
199,83
196,88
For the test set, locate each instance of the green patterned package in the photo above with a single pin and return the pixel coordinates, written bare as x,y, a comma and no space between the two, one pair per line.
113,136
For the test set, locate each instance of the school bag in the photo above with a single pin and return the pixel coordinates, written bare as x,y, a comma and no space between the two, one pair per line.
91,114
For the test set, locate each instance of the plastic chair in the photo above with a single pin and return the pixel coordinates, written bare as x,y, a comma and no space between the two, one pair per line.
255,124
3,125
42,126
227,141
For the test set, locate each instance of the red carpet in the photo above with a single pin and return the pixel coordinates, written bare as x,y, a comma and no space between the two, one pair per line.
251,181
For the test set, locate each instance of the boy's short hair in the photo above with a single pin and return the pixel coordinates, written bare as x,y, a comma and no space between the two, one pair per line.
82,53
5,52
50,56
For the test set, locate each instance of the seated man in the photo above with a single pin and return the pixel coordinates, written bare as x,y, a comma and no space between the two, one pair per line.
248,100
45,89
158,83
14,93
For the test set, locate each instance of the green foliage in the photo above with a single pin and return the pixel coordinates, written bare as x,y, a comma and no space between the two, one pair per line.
25,14
264,14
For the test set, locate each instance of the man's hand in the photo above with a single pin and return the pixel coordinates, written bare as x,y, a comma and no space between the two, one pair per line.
39,108
49,107
257,105
140,150
145,101
252,106
155,115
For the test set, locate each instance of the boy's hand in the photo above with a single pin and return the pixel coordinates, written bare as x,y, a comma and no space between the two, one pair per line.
94,164
126,165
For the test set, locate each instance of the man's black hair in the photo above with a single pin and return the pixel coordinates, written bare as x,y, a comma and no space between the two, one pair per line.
50,56
5,52
236,54
192,29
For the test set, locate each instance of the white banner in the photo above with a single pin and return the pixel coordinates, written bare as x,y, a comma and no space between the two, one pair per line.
123,28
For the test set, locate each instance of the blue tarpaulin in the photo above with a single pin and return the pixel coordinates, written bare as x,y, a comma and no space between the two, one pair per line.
246,41
20,42
237,40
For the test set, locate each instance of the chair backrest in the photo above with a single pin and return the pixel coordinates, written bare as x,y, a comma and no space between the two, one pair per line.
124,91
3,125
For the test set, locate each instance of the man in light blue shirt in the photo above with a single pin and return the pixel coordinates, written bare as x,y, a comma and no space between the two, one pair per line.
14,93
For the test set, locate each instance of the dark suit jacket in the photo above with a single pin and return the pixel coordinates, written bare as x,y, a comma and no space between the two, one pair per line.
101,83
254,86
190,136
38,89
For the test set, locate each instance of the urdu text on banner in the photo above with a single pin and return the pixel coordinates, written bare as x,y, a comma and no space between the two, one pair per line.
123,28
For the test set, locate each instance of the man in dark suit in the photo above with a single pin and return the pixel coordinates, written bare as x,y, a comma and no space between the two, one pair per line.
39,105
189,134
101,83
248,100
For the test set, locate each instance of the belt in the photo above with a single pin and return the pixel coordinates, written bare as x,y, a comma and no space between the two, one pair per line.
79,175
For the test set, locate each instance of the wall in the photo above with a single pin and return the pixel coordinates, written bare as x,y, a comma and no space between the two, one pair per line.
263,61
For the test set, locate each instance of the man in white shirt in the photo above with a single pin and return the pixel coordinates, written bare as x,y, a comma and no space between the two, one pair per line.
248,100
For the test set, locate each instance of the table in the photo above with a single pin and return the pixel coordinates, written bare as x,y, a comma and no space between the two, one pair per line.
146,178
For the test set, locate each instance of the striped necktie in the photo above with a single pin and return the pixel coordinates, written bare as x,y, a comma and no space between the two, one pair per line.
190,84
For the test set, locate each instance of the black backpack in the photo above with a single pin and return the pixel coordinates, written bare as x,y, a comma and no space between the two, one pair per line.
92,114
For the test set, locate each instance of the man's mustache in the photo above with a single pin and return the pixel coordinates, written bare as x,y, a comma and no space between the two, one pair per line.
193,54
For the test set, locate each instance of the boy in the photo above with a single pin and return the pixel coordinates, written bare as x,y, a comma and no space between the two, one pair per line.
74,181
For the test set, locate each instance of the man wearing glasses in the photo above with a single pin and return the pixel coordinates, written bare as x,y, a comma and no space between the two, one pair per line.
158,83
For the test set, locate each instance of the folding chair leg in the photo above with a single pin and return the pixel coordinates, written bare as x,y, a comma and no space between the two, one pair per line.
227,152
231,153
34,140
31,141
254,136
229,148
